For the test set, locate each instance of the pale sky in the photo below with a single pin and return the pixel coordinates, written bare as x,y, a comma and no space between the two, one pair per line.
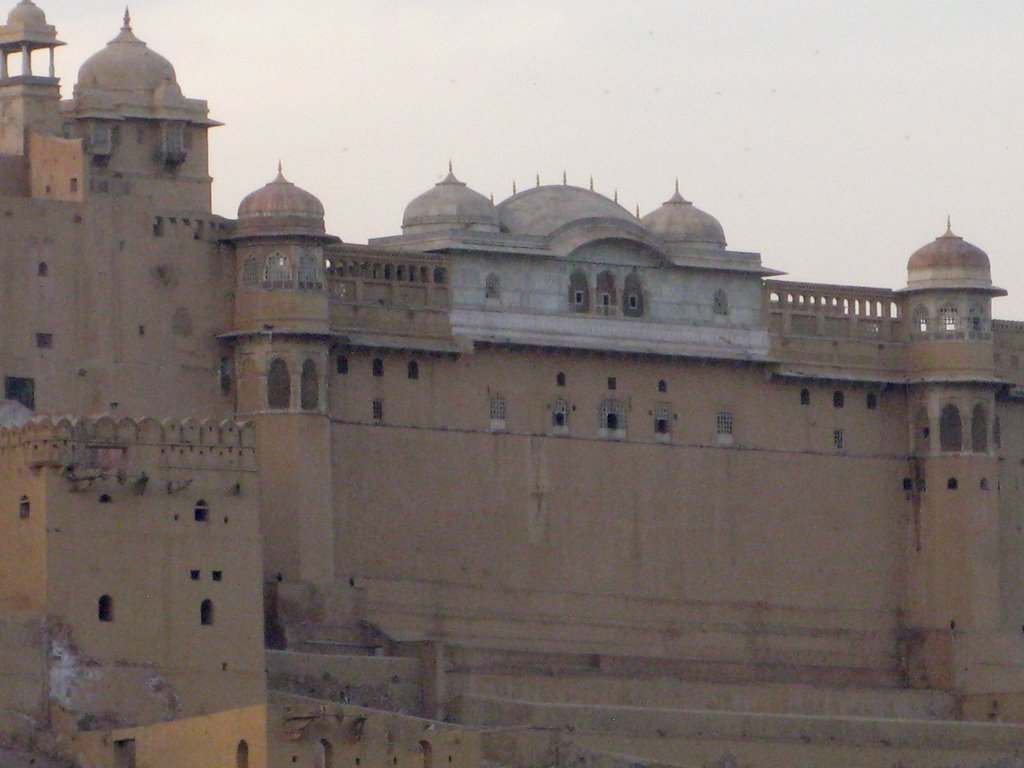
831,137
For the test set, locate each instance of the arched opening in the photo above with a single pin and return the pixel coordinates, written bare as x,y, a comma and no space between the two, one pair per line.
279,385
105,608
606,298
43,269
663,386
579,292
324,757
310,390
277,271
838,399
427,752
950,430
24,508
492,287
805,397
242,755
872,401
633,296
560,380
413,370
206,612
921,319
979,429
720,303
440,276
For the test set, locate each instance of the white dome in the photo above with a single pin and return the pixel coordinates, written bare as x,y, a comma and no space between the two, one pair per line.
450,205
27,15
680,221
542,210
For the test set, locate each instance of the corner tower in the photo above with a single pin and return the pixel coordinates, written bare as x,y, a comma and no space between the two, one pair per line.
29,100
141,135
953,610
282,346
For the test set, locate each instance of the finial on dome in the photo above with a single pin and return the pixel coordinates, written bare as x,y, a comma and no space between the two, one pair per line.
949,226
127,20
513,186
591,183
638,210
280,172
565,179
492,198
450,169
616,198
677,185
538,180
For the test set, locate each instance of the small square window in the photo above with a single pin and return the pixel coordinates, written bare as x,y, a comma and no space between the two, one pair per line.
194,575
44,340
612,383
218,575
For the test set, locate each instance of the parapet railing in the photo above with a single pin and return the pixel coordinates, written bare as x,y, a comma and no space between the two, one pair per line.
833,311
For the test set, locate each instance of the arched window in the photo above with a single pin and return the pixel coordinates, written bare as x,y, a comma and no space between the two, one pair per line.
949,319
279,385
309,270
921,319
277,270
805,397
310,389
560,379
378,367
242,755
206,612
663,386
324,757
838,399
250,273
105,609
922,432
579,292
413,370
560,413
979,429
950,431
24,508
606,298
633,296
612,414
43,269
720,303
492,287
976,319
427,752
872,401
440,276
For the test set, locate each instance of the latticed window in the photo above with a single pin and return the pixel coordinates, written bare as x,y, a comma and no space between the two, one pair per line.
498,408
378,410
309,271
720,303
606,299
612,414
949,319
724,423
278,270
921,320
579,292
560,413
250,272
838,439
492,287
662,420
976,319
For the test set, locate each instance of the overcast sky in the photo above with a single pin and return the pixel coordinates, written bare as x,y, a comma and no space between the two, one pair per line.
831,137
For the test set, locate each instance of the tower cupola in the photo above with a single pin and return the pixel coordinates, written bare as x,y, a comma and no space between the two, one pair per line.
26,31
680,221
950,262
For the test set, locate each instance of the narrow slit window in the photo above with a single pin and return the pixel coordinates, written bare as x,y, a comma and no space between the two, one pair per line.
105,608
206,613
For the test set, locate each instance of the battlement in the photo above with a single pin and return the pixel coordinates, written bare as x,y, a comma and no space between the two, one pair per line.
108,443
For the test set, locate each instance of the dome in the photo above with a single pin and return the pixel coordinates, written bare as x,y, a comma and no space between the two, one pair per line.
949,261
450,205
680,221
281,207
27,15
126,64
949,252
542,210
